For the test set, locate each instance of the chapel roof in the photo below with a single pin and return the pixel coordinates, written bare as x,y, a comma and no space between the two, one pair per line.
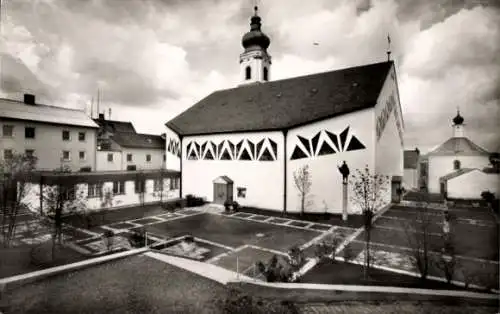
459,146
282,104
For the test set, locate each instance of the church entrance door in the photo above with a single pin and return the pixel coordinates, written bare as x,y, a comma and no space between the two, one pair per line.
223,190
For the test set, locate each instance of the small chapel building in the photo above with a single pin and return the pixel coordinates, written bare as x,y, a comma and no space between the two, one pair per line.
455,168
245,143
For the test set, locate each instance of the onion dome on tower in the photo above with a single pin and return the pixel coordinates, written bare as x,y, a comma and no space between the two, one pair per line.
458,120
255,37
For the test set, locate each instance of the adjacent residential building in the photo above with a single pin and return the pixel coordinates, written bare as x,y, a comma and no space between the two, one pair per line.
120,147
411,177
246,143
56,136
454,158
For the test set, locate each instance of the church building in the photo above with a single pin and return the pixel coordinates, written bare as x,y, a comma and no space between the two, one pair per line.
245,143
459,157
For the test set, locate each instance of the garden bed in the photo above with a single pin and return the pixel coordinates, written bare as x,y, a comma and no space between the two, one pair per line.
205,251
353,221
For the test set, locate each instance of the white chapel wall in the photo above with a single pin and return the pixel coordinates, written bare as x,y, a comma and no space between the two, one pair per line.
388,133
172,150
326,190
470,185
263,180
442,165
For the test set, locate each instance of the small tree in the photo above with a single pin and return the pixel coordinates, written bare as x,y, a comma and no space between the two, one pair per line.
62,198
418,236
302,181
367,194
15,173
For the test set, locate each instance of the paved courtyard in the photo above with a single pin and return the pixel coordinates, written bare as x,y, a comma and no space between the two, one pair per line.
474,233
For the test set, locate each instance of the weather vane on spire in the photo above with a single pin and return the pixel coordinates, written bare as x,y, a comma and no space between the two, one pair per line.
388,47
255,7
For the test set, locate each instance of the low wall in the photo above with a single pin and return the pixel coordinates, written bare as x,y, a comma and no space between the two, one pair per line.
312,293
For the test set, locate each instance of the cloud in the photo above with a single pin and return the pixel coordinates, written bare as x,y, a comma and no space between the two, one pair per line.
154,58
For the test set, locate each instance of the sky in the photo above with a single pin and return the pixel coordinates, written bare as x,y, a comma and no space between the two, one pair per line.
153,59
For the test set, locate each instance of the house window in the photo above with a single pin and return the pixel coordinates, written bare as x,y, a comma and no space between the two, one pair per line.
81,155
148,158
129,157
81,136
110,157
157,185
456,164
65,135
266,74
175,183
95,190
66,155
7,154
8,130
68,193
248,73
242,192
140,186
29,132
164,157
119,187
168,183
29,153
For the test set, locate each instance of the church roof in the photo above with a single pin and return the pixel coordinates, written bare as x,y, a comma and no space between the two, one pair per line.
411,158
282,104
459,146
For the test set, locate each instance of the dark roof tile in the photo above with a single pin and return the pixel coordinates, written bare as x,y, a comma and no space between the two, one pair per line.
136,140
285,103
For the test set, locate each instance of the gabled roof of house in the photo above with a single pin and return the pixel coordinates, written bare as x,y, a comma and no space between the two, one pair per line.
459,146
283,104
115,126
411,158
137,140
456,173
18,110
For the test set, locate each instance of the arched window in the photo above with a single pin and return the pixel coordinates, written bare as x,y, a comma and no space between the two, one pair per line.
248,73
266,74
456,164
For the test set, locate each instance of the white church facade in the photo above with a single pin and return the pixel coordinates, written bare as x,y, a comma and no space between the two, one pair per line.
456,167
253,138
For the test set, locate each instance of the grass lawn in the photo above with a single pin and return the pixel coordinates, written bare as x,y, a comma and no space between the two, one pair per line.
234,232
246,260
354,221
335,272
479,273
138,284
437,215
107,217
24,259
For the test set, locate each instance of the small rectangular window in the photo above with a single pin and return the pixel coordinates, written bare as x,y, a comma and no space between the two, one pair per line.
29,153
66,155
242,192
94,190
8,130
118,187
140,186
164,157
110,157
29,132
65,135
148,157
81,136
81,155
129,157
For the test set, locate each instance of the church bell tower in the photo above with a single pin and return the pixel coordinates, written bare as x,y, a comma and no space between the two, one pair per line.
255,62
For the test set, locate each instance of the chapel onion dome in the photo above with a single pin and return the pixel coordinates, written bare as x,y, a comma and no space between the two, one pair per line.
458,120
255,37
